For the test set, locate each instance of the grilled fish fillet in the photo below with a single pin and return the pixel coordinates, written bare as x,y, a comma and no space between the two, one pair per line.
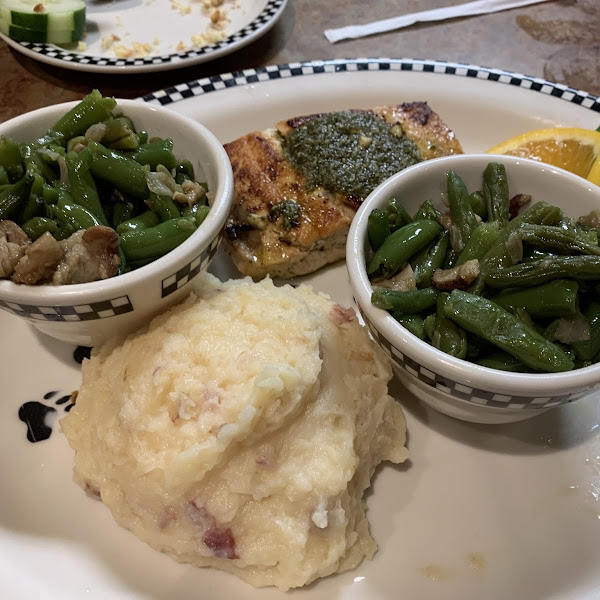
262,241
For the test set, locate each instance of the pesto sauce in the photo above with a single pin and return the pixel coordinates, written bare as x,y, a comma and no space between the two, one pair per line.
348,152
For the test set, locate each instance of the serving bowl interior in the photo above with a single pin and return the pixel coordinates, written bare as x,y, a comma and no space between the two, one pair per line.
90,313
454,386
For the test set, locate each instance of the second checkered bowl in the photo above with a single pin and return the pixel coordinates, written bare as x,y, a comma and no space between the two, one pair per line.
90,313
453,386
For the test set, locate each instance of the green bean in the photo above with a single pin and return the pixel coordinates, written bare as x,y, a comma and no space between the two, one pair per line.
75,216
588,349
401,245
533,254
495,192
75,144
478,204
144,220
429,259
378,227
37,226
556,239
163,206
447,336
413,322
185,167
91,110
82,184
11,159
197,212
155,153
33,162
429,325
52,139
503,362
63,195
410,301
122,211
37,185
14,196
136,264
201,214
463,217
48,159
398,215
63,232
477,347
33,207
484,236
553,299
427,210
450,259
498,326
124,173
156,241
181,177
580,267
523,315
124,266
143,137
583,233
120,134
499,254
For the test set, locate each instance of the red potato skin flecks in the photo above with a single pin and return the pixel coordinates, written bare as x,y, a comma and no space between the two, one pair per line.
221,542
219,539
340,315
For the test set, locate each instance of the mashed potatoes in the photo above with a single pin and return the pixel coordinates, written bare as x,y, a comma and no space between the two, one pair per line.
240,430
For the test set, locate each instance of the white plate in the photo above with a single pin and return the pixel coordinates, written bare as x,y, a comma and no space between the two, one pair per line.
167,26
481,512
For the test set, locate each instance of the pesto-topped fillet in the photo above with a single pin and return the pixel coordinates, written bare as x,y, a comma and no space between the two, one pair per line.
298,184
349,152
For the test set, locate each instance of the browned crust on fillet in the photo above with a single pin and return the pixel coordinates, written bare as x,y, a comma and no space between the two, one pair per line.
261,244
424,127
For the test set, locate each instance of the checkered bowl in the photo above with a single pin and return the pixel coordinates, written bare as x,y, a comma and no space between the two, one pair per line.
453,386
89,313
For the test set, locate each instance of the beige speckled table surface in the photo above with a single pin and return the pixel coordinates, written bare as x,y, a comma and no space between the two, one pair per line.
556,40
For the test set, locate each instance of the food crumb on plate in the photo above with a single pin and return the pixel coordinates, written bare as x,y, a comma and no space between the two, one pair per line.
215,12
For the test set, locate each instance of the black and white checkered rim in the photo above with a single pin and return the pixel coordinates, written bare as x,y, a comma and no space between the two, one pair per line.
460,390
188,272
269,13
285,71
80,312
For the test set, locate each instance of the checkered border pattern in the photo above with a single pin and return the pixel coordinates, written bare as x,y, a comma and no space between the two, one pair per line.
266,15
459,390
251,76
80,312
185,274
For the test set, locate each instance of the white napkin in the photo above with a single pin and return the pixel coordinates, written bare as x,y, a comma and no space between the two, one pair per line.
478,7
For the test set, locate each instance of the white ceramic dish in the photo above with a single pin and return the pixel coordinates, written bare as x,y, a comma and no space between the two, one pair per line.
89,313
480,512
167,27
457,387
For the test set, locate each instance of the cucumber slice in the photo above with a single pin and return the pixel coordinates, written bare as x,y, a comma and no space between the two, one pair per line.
23,34
56,15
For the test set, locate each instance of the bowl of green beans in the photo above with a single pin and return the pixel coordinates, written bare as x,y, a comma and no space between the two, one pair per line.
479,276
108,211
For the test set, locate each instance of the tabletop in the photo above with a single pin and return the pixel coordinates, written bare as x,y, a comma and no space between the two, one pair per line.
555,40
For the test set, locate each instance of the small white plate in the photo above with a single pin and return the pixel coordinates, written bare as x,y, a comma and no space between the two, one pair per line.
479,512
165,26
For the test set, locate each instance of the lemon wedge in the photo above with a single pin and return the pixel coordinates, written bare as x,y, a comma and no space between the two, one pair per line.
571,148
